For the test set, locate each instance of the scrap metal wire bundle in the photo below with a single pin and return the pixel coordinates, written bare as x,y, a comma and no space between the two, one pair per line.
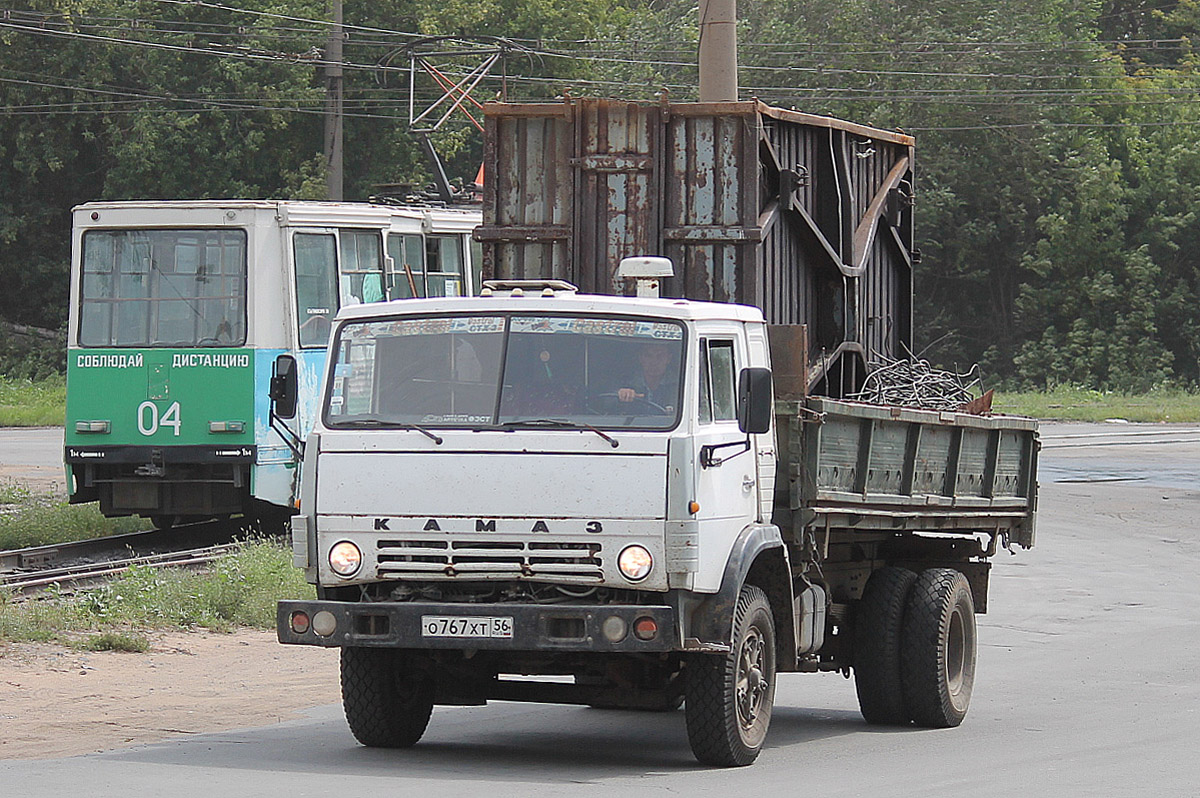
914,383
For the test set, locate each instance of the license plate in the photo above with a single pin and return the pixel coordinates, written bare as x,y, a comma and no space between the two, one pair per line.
460,626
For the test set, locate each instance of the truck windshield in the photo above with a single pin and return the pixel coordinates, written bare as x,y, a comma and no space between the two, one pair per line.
498,370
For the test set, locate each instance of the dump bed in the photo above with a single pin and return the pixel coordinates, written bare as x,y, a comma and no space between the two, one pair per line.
875,468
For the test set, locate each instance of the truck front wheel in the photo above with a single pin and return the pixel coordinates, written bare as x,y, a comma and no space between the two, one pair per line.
729,698
387,701
938,660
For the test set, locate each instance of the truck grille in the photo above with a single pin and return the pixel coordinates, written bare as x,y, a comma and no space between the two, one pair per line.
491,558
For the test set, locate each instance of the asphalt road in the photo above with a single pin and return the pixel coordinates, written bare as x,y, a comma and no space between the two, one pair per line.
33,456
1088,684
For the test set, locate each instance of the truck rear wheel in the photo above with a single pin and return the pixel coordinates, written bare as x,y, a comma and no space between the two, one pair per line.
729,697
387,701
878,622
938,660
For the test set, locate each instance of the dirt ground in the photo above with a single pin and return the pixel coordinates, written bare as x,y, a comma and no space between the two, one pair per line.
56,701
39,479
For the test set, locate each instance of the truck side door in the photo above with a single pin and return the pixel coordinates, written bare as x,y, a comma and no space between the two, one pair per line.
726,492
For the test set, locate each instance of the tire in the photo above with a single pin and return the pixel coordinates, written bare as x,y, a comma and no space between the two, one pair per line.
938,659
729,697
387,702
878,624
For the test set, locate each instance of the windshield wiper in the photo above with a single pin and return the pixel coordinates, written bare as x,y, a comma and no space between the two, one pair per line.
562,424
427,433
382,424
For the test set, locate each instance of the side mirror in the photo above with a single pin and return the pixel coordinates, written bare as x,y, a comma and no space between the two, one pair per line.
755,398
283,388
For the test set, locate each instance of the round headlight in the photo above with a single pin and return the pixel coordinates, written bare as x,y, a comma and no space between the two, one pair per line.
635,563
345,558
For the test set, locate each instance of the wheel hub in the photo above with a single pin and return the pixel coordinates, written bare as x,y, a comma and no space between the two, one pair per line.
752,683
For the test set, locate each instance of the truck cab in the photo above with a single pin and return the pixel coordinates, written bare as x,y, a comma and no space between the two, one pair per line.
538,476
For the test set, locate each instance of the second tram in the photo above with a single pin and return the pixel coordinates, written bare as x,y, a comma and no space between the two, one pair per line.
179,312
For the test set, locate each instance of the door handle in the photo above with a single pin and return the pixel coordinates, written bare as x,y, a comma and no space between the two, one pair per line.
747,483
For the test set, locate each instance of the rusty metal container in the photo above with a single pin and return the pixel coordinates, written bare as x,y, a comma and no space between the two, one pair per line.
806,217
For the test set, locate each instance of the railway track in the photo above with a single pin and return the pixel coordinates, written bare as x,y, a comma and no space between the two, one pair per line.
25,581
83,562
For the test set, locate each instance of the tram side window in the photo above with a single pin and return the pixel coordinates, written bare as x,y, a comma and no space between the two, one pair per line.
163,288
362,267
444,254
476,267
316,286
408,271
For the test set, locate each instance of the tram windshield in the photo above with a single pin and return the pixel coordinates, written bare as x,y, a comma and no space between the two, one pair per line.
163,288
508,371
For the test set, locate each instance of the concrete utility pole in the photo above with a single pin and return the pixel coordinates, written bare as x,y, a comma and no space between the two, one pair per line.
718,51
333,105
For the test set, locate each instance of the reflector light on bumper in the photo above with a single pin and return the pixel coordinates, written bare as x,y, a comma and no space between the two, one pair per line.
645,628
299,622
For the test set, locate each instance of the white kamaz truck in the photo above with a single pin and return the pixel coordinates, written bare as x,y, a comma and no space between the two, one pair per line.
537,482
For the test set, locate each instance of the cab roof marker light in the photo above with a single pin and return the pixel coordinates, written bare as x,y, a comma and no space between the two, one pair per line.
93,427
227,426
541,287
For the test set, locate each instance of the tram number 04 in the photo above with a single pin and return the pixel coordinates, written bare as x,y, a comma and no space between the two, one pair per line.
149,420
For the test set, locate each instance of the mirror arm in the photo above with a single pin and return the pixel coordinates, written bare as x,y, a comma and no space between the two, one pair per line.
707,452
290,438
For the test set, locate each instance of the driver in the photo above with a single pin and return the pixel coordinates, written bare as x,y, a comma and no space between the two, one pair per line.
657,379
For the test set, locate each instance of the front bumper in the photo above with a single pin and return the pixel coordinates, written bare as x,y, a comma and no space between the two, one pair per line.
535,627
77,454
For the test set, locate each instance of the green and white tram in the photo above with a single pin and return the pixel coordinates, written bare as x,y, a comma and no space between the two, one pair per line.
179,311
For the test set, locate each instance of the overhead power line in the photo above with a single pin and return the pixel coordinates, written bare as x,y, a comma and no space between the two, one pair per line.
314,55
800,61
324,24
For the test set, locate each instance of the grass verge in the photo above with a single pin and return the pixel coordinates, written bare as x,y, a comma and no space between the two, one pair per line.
25,403
28,519
116,641
239,590
1080,404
